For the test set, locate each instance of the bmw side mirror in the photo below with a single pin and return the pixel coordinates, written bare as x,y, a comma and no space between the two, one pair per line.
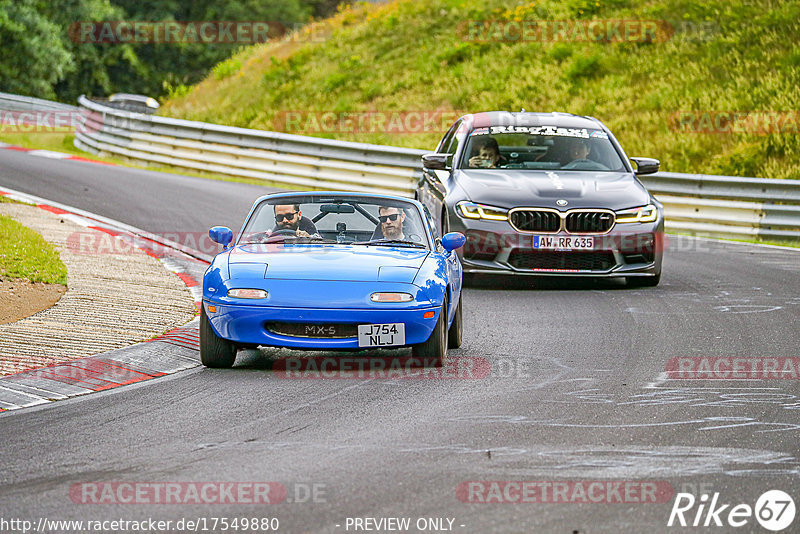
453,240
436,161
646,165
221,234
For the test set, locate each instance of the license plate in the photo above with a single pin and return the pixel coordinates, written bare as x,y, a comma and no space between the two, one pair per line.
381,335
562,242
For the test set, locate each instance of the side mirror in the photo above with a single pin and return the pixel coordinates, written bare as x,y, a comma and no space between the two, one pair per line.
453,240
436,161
646,165
221,235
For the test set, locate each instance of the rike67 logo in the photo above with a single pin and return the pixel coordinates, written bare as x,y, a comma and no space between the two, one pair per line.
774,510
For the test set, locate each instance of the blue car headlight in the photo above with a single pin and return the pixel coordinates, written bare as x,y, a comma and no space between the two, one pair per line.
247,293
391,297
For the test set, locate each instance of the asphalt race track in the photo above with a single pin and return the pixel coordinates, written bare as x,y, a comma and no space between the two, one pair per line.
578,392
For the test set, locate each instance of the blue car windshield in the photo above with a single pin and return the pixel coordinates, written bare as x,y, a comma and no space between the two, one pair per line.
351,220
541,148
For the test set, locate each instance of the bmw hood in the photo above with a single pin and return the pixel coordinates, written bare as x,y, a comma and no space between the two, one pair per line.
509,188
326,262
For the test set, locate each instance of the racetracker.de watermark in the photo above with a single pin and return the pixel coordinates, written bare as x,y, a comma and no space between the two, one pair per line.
567,31
365,122
174,32
48,121
564,492
733,368
485,242
735,122
177,493
99,241
381,367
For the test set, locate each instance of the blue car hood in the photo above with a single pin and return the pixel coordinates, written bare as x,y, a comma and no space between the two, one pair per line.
327,262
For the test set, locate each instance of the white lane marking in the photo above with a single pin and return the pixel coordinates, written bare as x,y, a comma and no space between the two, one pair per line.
49,154
751,308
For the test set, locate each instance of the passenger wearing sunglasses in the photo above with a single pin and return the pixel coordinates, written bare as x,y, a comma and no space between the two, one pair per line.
289,217
391,222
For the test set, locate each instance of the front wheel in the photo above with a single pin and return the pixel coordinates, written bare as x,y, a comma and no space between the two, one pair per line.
214,351
434,351
454,334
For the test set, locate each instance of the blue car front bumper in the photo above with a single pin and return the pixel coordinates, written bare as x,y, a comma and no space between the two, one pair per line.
249,324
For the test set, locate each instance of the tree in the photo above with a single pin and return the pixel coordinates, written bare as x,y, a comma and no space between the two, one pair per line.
99,68
34,56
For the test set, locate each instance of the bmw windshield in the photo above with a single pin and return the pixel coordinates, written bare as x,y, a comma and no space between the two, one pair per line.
548,148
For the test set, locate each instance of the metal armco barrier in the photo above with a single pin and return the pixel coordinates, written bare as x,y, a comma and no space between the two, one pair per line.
292,160
729,206
9,102
716,206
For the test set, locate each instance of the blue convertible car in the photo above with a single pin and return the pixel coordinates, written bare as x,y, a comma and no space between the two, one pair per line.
331,270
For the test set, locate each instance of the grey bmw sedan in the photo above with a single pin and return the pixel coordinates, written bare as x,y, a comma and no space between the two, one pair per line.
545,194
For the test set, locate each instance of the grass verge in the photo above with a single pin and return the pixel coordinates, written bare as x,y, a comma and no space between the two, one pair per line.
25,254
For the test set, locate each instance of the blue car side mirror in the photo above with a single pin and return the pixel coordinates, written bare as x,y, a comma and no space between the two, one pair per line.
453,240
221,235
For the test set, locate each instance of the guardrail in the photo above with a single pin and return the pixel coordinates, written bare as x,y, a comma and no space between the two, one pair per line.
717,206
292,160
9,102
729,206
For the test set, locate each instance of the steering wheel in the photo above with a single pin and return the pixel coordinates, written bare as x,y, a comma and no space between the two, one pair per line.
592,165
284,232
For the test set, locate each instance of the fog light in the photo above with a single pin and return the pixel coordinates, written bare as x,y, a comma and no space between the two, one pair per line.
390,297
247,293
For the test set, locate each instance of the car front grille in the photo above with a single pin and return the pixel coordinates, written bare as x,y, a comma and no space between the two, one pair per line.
536,221
589,222
562,261
548,221
306,330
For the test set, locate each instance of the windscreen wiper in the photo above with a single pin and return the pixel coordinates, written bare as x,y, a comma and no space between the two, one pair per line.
391,242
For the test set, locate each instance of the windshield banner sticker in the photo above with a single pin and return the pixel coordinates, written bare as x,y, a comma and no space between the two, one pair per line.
541,130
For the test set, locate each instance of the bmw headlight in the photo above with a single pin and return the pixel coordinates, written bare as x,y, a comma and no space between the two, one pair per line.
472,210
642,214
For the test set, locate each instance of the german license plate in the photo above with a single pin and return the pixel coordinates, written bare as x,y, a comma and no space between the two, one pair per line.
562,242
381,335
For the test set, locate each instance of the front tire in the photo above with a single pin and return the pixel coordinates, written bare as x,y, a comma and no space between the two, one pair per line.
434,351
214,351
456,327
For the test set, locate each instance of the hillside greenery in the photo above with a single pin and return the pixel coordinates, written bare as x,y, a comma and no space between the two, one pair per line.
404,55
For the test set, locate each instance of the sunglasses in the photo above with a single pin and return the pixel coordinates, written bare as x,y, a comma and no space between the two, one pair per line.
280,217
392,217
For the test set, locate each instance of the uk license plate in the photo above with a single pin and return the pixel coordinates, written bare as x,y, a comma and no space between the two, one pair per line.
381,335
562,242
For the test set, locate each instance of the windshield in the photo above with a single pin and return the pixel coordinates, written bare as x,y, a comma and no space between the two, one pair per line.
342,219
540,148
